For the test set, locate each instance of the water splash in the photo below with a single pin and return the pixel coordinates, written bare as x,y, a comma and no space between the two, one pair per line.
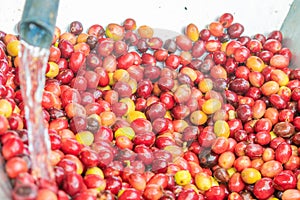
33,62
5,187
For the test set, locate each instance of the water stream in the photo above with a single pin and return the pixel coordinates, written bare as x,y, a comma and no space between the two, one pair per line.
33,62
5,187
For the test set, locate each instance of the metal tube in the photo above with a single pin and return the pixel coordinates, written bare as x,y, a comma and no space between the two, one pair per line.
38,22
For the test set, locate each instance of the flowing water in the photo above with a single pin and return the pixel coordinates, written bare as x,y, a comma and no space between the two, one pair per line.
33,62
5,187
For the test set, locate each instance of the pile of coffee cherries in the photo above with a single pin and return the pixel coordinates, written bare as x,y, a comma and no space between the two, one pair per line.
208,114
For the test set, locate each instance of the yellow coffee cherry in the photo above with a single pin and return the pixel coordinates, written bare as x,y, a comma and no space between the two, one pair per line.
183,177
130,104
221,128
85,137
121,75
95,170
106,88
210,106
13,48
250,175
205,85
280,77
255,63
192,32
5,108
214,181
133,115
223,46
111,78
198,117
120,192
125,131
231,171
168,115
53,70
273,135
273,198
203,181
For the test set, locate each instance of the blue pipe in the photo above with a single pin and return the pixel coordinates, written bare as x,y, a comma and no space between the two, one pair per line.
38,22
